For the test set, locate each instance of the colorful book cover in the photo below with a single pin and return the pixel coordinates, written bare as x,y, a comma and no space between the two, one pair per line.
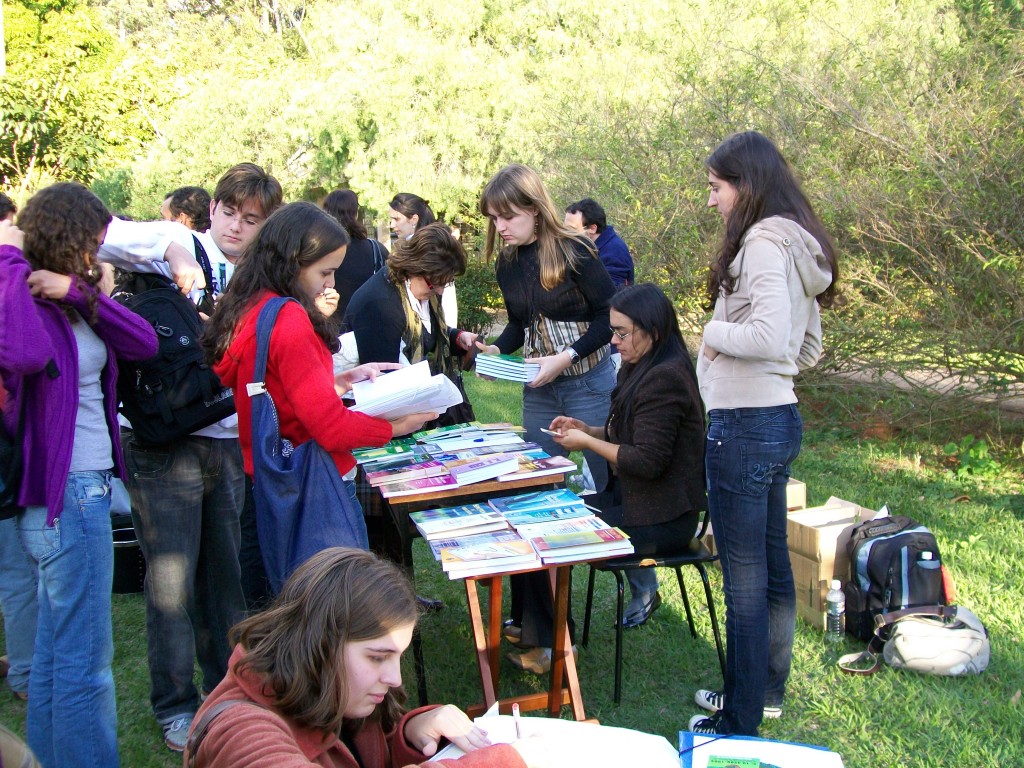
421,485
477,554
570,525
481,468
539,467
476,517
465,540
594,538
538,500
411,472
531,516
364,455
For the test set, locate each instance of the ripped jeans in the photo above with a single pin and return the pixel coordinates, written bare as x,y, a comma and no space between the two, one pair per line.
748,459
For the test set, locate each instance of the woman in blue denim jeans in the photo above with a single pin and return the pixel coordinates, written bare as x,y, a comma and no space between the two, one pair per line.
58,357
556,292
775,265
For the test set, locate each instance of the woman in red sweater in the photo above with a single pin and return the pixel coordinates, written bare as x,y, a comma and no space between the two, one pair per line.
295,255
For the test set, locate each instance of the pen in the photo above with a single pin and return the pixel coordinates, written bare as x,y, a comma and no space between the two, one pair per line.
515,716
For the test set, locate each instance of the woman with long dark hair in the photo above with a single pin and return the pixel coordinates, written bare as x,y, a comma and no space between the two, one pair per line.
62,338
775,265
364,256
295,255
653,438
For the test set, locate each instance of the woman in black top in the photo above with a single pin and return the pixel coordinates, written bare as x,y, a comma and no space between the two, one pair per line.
398,311
556,292
364,256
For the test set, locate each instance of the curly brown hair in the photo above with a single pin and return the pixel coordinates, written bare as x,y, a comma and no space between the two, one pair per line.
64,226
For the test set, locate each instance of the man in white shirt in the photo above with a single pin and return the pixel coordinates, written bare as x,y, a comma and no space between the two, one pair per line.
188,496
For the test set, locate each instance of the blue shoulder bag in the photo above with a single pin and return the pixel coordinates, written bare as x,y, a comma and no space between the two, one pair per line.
303,505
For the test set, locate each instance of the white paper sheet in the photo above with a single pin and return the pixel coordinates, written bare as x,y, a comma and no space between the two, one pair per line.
408,390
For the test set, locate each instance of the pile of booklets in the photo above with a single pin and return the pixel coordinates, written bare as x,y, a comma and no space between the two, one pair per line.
408,390
450,457
506,367
517,533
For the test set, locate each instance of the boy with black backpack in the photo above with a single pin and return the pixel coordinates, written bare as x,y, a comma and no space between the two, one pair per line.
187,490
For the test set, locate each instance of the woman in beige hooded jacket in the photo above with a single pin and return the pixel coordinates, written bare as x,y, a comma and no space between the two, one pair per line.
775,265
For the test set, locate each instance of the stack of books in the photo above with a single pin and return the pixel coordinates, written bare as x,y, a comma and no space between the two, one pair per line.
442,459
465,520
506,367
489,558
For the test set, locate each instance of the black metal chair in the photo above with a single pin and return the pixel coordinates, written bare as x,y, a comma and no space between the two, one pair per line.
696,554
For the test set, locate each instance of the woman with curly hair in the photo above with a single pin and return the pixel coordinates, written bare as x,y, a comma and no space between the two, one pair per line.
58,358
398,313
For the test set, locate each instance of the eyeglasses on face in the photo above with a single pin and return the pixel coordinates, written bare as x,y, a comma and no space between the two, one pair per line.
622,336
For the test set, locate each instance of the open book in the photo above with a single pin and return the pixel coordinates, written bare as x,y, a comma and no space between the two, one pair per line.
616,746
408,390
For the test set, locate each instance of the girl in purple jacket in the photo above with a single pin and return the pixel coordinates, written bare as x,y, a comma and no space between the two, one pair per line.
59,340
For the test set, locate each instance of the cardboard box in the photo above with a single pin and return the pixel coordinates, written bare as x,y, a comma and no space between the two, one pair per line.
817,552
796,495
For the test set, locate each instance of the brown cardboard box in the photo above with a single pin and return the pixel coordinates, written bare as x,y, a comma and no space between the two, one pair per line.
796,499
817,552
796,495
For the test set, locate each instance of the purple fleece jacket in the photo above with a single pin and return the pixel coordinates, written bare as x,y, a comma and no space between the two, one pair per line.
34,332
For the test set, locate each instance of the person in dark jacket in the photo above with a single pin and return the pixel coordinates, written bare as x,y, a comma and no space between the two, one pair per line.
653,438
589,218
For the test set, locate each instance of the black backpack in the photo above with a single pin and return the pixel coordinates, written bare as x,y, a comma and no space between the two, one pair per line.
894,564
173,394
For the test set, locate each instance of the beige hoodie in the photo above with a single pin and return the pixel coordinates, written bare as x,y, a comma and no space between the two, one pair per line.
768,329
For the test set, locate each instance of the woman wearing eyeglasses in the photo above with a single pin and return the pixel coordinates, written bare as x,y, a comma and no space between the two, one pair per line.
653,439
397,313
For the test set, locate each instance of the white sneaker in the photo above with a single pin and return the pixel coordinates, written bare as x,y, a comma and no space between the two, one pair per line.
714,701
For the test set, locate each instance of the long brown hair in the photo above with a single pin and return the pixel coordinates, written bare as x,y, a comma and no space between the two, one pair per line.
296,646
432,252
765,186
518,186
63,225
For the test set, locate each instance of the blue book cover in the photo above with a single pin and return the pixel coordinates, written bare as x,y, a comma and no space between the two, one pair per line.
698,751
539,500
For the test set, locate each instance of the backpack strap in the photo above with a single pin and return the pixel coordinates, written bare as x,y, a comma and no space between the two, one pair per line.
200,729
378,255
868,662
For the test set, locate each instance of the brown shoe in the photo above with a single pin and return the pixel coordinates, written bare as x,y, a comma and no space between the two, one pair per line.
20,695
5,666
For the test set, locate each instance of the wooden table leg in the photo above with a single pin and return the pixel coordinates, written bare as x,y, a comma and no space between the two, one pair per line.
494,624
488,674
563,665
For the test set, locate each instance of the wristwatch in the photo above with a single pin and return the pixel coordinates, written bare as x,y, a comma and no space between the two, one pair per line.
573,355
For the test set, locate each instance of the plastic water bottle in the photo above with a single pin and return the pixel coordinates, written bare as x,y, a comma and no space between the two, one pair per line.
835,614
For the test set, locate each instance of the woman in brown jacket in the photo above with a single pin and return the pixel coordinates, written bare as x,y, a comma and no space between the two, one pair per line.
653,438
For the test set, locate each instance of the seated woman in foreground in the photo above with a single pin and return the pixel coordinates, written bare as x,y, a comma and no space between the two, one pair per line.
318,680
653,438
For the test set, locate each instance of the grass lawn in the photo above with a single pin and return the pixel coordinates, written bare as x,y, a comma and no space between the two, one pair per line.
890,719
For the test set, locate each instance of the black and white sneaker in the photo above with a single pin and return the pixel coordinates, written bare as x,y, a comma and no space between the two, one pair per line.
714,701
704,725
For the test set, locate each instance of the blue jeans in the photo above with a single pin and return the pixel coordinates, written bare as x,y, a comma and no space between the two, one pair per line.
749,455
18,586
186,501
587,398
72,718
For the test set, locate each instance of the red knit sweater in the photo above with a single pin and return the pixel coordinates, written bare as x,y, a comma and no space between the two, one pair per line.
300,379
